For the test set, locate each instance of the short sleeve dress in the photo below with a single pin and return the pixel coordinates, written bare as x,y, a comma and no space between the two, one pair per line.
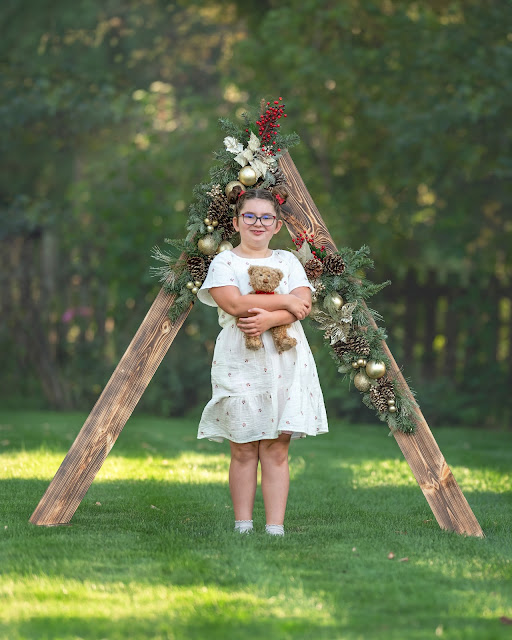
257,395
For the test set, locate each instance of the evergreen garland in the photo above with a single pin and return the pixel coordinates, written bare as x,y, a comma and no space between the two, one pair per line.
353,339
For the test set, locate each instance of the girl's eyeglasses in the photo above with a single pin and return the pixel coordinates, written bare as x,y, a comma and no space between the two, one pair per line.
266,220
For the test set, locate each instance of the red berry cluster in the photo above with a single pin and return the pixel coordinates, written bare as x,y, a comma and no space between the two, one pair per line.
319,253
268,124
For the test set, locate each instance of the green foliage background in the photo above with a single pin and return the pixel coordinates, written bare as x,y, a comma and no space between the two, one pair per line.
110,115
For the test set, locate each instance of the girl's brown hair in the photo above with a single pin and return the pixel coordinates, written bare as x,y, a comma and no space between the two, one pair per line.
260,194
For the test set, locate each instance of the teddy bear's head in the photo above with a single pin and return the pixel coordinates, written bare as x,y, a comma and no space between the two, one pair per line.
264,278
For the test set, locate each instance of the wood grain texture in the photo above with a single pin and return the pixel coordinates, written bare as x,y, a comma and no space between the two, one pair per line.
421,451
110,414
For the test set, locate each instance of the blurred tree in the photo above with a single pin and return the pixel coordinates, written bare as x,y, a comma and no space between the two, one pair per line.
110,111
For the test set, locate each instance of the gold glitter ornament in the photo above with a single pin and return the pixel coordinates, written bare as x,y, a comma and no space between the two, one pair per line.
207,245
361,381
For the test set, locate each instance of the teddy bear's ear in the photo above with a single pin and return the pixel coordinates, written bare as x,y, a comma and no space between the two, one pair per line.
250,270
279,273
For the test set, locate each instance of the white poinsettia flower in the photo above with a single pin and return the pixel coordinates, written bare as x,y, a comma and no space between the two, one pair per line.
254,142
259,166
232,144
241,159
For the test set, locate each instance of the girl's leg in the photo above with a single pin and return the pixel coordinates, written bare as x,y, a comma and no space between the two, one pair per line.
275,477
243,472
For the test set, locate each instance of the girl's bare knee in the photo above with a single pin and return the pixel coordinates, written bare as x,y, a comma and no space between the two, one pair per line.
275,451
245,452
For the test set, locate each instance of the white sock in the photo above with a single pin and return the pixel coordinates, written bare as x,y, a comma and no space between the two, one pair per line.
275,529
243,526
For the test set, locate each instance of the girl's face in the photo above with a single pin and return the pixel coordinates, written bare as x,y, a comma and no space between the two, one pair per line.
257,235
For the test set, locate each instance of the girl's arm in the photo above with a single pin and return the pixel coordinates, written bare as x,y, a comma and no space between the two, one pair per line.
263,320
233,302
304,293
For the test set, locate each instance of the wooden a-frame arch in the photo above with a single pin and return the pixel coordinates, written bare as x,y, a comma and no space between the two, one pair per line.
146,351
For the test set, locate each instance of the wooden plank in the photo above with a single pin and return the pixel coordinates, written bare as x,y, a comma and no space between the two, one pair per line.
110,413
421,451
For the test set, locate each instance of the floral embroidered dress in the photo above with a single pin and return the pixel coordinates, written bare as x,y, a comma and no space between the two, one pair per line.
258,395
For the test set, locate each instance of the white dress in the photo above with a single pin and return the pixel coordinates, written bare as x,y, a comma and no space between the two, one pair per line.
258,395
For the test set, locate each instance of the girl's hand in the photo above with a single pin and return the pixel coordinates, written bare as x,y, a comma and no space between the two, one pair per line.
257,324
299,307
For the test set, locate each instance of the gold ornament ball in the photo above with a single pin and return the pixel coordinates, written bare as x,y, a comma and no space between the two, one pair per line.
361,362
361,381
248,176
190,285
207,245
333,299
198,283
231,185
391,402
207,221
364,362
194,290
215,223
210,228
375,369
225,245
392,409
355,365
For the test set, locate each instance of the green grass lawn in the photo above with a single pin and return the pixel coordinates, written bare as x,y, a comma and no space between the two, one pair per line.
150,552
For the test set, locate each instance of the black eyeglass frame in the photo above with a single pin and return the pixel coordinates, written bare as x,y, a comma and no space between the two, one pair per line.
260,218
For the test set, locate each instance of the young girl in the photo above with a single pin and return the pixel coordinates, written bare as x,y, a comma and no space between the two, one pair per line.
261,399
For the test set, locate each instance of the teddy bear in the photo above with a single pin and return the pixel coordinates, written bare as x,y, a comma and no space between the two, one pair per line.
265,280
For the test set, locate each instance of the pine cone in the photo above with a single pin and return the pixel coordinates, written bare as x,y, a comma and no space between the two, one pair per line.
228,230
207,263
313,268
378,401
278,175
386,390
197,268
340,348
359,345
333,263
218,208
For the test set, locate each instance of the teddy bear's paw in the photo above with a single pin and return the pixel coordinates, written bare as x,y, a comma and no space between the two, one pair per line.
253,343
286,344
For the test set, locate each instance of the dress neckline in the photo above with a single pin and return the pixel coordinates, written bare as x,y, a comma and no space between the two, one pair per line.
244,258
